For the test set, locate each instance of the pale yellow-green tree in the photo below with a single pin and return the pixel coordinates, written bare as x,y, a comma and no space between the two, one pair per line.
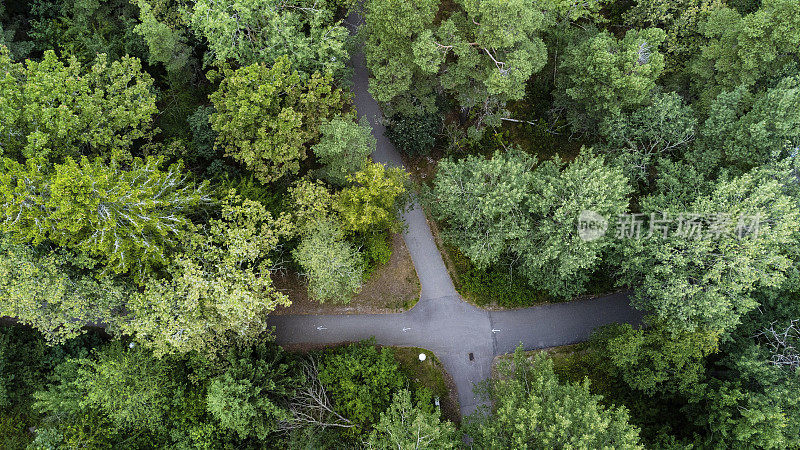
218,289
53,108
372,201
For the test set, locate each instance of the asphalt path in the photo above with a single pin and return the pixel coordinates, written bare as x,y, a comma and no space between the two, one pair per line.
464,338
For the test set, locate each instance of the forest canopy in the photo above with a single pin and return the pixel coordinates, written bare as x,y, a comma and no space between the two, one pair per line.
174,172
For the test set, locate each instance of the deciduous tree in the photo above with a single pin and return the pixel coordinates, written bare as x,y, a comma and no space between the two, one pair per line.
703,276
262,31
744,131
533,410
247,396
501,207
554,255
218,289
482,202
371,203
333,267
655,360
343,148
362,379
757,49
51,109
129,218
639,138
51,290
406,426
392,30
600,76
265,116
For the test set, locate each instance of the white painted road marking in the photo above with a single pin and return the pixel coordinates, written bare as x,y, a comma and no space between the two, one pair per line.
405,329
320,328
494,331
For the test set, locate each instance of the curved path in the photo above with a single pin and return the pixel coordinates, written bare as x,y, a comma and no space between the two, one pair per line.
441,321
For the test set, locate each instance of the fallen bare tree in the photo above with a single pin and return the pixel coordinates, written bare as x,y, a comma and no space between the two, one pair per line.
310,405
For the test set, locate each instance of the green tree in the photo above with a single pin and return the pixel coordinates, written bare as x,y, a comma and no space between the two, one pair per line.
654,360
757,49
125,397
677,185
742,132
373,200
246,397
554,254
600,76
637,139
218,289
482,201
131,387
130,218
53,291
737,416
10,26
680,19
405,426
264,30
414,134
496,47
51,109
333,267
703,276
481,52
86,28
502,208
343,148
361,380
265,116
392,27
164,29
312,202
533,410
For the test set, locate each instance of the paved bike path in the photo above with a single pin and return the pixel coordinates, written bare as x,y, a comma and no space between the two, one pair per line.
441,321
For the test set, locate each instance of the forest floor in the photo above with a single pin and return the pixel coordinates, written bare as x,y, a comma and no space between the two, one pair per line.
393,287
432,375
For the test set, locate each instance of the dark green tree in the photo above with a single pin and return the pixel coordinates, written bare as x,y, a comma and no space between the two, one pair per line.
343,148
246,396
533,410
637,139
703,275
362,381
600,76
757,49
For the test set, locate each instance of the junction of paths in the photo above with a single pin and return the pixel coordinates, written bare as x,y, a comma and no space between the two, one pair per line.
464,338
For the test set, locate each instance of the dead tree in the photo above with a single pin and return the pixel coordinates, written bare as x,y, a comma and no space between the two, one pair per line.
782,344
310,405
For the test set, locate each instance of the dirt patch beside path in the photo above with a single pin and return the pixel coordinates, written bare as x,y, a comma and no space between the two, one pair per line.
393,287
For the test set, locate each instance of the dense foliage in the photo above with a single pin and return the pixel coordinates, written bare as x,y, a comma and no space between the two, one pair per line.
163,161
533,410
